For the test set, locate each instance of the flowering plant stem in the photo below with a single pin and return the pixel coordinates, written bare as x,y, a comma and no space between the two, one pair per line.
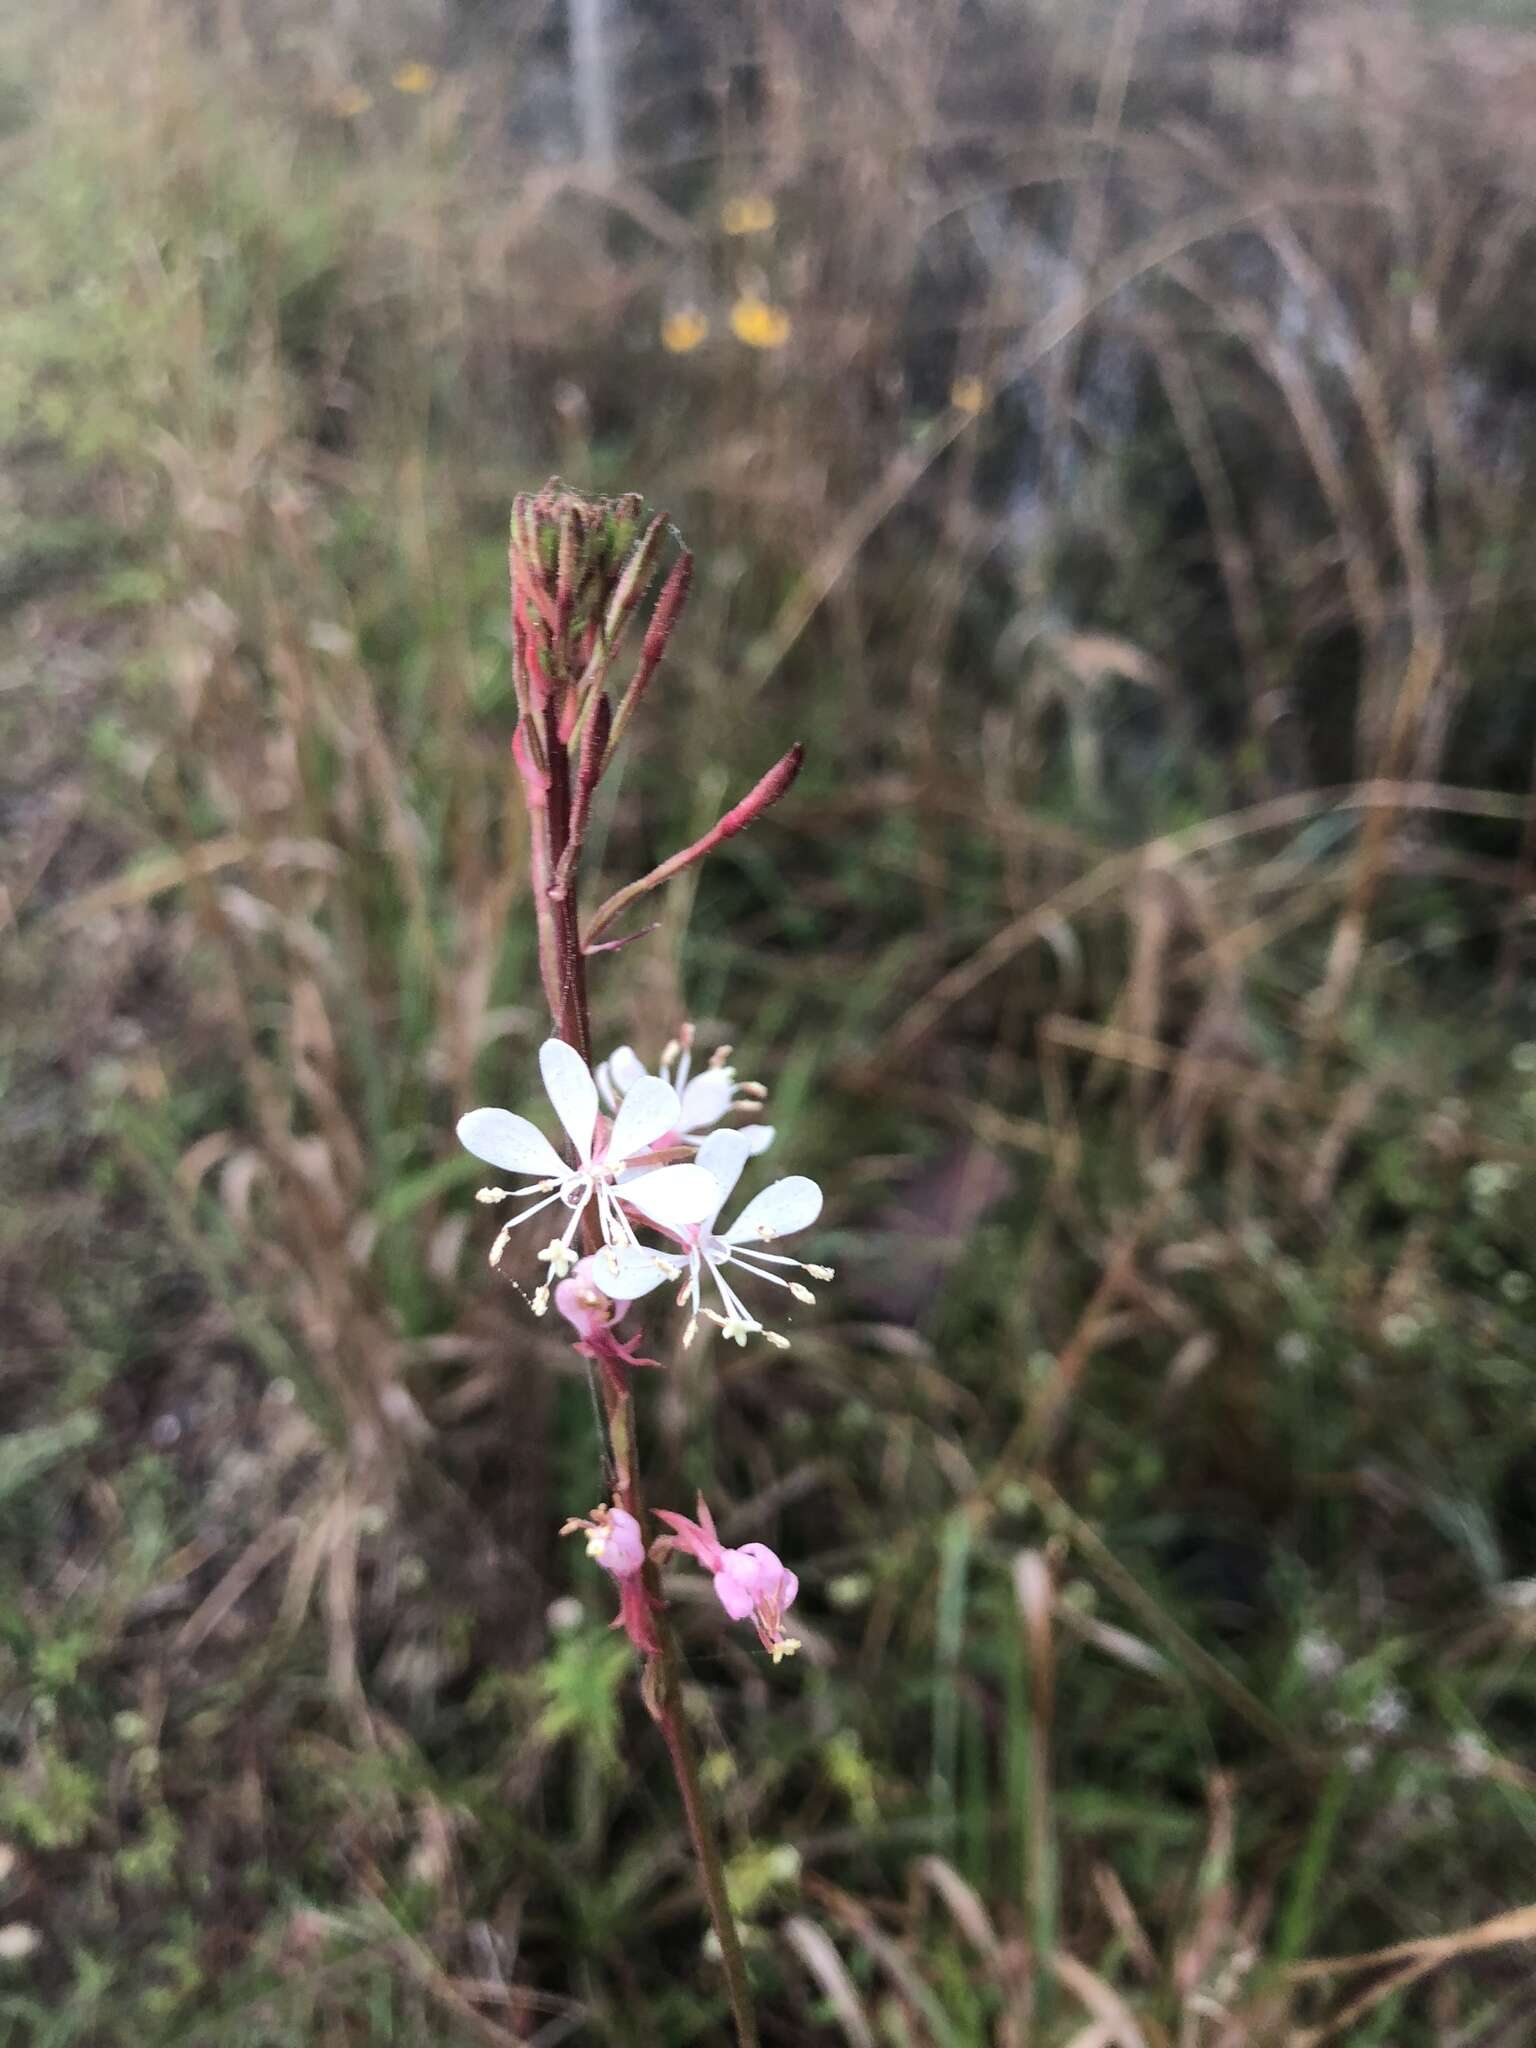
664,1687
556,540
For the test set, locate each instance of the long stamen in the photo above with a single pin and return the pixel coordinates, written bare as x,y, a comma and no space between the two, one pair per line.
738,1320
799,1291
615,1224
735,1308
759,1273
558,1251
513,1222
532,1187
783,1259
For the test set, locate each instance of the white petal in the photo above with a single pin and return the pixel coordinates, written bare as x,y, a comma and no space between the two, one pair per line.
706,1099
723,1154
510,1142
604,1082
789,1205
674,1196
647,1113
572,1091
624,1069
625,1273
759,1137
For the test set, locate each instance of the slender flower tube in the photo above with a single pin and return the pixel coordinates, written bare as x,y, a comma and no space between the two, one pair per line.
669,1196
748,1581
628,1271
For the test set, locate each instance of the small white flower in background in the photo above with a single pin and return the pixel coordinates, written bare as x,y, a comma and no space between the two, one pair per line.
1471,1754
703,1098
564,1615
672,1197
1400,1329
629,1271
1319,1656
18,1940
1387,1712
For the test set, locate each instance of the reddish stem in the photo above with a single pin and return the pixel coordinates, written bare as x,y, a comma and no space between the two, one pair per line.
556,819
737,819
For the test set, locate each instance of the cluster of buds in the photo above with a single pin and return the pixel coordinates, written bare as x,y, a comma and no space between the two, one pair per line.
581,570
651,1158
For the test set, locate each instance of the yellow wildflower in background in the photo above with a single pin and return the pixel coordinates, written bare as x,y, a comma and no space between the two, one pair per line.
758,324
351,101
968,394
414,76
754,213
682,331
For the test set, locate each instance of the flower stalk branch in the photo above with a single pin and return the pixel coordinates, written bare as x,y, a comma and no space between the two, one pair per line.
752,806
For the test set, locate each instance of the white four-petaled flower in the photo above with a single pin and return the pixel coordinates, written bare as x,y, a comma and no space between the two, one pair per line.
673,1197
703,1097
627,1271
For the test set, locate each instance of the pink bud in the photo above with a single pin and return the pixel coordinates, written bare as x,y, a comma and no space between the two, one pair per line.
624,1552
592,1315
613,1539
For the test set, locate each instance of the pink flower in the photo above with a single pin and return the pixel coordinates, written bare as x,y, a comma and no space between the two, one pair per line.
592,1314
748,1581
614,1539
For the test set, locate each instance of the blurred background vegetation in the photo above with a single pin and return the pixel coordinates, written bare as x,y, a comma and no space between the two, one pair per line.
1107,433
